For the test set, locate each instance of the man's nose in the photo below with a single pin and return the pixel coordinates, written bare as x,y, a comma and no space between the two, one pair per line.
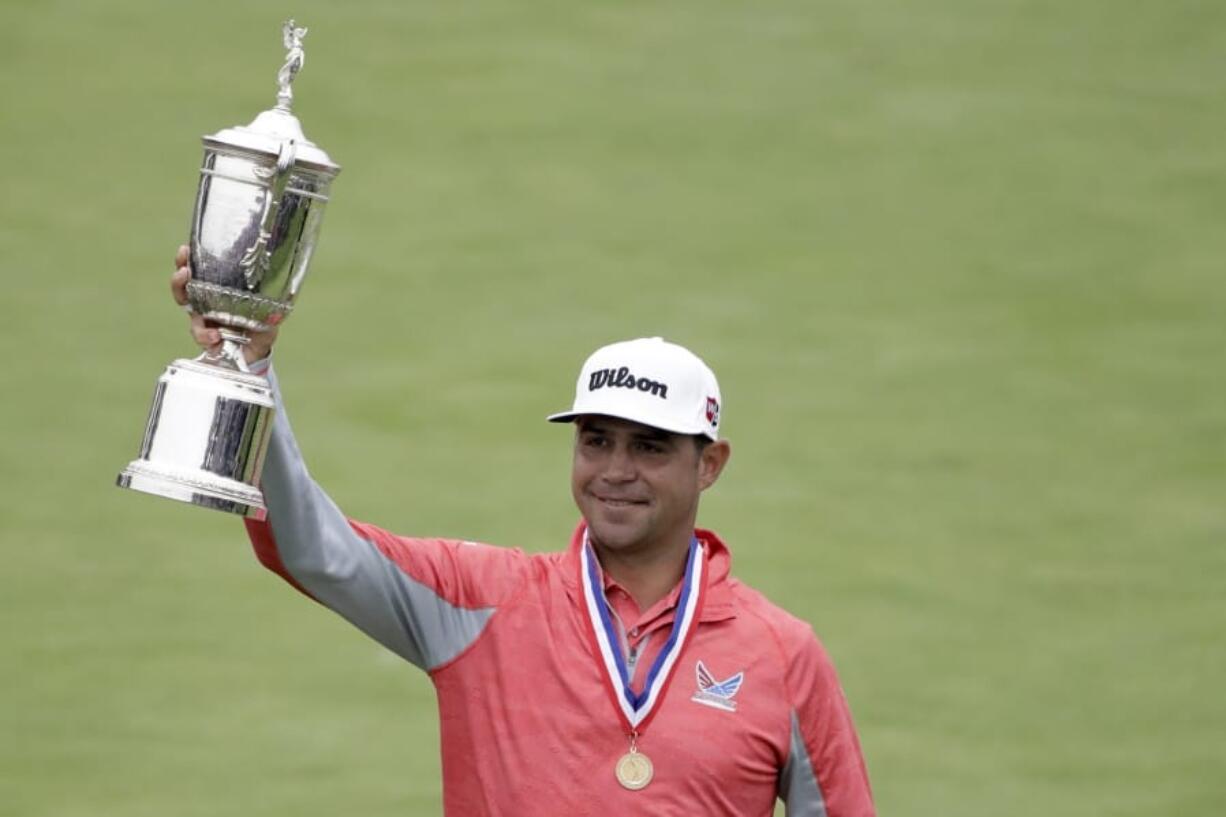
620,465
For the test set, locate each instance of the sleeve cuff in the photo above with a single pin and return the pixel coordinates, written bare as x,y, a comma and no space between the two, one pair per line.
261,366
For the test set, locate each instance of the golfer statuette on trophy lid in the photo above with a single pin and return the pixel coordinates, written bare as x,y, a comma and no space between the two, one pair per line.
259,205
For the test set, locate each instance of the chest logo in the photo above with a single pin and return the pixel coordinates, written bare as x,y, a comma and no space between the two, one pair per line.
718,694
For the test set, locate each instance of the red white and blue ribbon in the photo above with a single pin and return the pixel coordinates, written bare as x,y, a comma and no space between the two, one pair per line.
637,709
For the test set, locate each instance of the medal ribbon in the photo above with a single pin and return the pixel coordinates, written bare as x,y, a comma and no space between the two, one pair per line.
637,710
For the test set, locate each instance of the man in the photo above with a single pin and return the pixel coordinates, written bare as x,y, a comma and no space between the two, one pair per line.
628,674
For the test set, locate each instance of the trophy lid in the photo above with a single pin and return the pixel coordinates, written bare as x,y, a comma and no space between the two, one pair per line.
271,129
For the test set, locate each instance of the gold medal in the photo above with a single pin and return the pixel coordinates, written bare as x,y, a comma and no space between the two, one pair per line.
634,770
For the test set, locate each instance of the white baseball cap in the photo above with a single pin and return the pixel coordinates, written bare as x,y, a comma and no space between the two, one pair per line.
649,381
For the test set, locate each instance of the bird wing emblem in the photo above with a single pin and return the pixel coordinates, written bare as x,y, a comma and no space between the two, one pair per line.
722,689
726,689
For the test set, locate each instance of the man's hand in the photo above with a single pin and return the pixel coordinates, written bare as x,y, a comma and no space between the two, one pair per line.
205,333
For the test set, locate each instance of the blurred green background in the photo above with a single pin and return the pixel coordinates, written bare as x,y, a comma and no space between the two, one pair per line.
958,265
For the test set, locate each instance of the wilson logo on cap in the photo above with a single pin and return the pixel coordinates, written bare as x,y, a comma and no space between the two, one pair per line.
623,379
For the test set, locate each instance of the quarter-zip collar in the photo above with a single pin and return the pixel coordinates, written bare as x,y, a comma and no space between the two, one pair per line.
720,603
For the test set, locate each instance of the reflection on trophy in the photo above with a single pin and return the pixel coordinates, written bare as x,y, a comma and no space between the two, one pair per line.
259,205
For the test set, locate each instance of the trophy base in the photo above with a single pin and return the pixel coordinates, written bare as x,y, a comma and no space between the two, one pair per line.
201,488
205,439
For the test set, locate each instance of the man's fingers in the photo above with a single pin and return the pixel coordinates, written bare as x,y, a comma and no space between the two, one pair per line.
205,332
182,274
205,335
178,285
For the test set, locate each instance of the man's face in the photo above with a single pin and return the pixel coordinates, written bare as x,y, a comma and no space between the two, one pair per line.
638,486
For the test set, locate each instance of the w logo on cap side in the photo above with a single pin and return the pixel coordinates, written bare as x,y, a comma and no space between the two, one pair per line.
713,412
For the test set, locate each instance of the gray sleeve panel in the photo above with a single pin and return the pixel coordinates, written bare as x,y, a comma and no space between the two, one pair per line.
798,786
349,574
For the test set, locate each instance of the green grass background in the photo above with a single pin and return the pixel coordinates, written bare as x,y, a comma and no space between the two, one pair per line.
958,265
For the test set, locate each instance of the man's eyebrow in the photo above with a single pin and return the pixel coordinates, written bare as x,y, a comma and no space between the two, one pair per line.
645,433
655,434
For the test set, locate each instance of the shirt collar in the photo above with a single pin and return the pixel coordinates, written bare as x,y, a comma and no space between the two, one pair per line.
719,603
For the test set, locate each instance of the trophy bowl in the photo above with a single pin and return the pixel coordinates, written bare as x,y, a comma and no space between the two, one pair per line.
259,205
258,210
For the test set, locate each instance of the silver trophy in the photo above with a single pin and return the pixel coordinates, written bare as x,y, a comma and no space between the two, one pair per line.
259,205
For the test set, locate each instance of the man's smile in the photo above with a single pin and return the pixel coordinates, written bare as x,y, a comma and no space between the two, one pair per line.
618,501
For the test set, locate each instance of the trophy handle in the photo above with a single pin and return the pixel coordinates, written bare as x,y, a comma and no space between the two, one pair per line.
258,258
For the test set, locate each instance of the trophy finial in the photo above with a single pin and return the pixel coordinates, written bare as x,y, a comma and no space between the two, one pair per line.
295,58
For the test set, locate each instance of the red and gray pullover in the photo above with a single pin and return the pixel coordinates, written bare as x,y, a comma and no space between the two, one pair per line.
527,726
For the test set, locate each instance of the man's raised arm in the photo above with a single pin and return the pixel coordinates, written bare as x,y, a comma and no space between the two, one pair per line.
425,599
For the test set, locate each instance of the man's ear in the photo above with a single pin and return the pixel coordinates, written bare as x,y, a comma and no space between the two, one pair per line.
711,462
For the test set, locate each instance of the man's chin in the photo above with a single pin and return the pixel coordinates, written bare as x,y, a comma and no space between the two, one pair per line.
611,535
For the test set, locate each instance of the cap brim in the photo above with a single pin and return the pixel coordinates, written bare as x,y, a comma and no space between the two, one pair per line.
570,416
